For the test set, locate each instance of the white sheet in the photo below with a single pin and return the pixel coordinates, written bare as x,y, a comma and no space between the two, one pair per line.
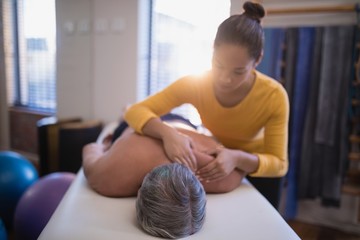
241,214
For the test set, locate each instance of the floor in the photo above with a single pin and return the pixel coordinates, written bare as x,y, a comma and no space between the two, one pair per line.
305,231
312,232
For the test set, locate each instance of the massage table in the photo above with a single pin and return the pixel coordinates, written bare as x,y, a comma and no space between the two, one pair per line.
241,214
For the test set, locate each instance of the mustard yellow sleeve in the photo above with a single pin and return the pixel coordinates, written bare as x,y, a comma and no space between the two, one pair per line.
137,116
273,162
271,166
158,104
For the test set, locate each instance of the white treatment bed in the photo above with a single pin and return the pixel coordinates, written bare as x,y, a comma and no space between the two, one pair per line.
241,214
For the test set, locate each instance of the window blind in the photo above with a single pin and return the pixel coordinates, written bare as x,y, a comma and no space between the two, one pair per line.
30,51
182,35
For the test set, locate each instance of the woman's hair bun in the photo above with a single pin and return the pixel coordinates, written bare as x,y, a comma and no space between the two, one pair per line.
254,10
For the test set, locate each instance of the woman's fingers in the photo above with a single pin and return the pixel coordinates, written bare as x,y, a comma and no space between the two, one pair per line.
206,171
177,160
211,172
192,161
189,161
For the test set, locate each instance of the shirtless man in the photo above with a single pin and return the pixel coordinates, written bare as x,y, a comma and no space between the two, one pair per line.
118,170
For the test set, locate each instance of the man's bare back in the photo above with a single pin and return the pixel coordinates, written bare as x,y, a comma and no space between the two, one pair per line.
119,171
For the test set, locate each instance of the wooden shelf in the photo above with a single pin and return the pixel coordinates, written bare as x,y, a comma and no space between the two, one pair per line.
355,120
315,9
351,189
353,175
356,83
354,138
352,182
354,156
355,102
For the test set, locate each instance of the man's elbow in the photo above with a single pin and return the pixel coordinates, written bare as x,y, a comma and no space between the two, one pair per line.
227,184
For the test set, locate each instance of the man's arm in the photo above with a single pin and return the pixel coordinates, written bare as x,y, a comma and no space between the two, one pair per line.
91,154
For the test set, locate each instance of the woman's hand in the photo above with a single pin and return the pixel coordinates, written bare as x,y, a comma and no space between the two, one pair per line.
178,148
223,164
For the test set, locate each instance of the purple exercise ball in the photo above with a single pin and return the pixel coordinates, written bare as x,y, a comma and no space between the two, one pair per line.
38,204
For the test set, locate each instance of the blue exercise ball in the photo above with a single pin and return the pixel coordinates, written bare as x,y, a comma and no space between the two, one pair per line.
38,203
3,234
16,174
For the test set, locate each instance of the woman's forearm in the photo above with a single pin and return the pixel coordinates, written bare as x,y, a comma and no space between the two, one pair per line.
157,129
177,146
246,162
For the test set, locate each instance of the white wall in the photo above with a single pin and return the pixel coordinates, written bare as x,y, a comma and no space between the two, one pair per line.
97,58
314,19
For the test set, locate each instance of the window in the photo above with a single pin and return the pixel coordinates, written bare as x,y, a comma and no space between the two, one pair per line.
182,35
31,69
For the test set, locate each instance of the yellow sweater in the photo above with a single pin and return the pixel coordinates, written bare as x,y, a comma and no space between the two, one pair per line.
258,124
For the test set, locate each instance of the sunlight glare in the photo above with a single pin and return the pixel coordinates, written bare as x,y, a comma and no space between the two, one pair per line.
205,16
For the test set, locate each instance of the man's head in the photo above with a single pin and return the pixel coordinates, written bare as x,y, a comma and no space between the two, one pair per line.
171,202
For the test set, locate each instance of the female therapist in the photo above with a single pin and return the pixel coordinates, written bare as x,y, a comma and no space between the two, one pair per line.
245,110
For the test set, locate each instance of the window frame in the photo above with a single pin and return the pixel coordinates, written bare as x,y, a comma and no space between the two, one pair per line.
19,92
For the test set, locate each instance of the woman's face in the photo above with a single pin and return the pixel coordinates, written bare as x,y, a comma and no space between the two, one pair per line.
231,66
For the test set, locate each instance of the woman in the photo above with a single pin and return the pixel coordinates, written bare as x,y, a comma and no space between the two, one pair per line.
244,109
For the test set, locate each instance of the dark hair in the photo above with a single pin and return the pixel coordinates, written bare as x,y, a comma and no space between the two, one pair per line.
171,202
244,29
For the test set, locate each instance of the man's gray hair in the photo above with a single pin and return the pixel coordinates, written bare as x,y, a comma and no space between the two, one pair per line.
171,202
